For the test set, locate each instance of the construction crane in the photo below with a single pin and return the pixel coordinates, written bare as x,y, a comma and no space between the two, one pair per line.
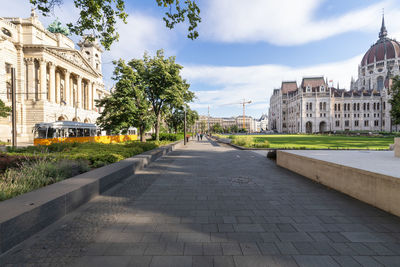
244,103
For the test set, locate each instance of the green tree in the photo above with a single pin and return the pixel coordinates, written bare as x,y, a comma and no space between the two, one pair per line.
203,126
175,119
99,17
4,110
395,100
217,128
56,27
128,105
234,129
163,84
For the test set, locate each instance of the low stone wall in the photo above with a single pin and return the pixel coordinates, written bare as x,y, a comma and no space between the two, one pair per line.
397,147
376,189
25,215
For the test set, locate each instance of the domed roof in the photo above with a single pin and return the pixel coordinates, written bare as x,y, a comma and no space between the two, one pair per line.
384,46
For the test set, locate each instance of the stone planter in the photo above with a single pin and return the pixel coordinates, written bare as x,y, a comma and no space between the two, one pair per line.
397,147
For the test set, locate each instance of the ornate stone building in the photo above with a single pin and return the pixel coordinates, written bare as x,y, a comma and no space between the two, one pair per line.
316,107
54,81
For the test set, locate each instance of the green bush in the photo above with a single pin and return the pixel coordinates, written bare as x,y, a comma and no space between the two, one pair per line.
168,137
38,173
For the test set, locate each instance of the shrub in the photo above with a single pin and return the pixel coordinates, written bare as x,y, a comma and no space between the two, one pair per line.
38,173
168,136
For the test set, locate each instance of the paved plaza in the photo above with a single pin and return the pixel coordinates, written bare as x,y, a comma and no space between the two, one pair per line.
211,205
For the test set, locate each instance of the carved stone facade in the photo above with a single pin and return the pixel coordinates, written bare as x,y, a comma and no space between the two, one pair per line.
54,81
315,107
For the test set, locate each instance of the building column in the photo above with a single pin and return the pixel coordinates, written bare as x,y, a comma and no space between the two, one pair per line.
79,91
52,82
91,101
58,87
67,75
30,90
43,79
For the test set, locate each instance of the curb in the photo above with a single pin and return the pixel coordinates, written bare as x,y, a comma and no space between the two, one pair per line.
27,214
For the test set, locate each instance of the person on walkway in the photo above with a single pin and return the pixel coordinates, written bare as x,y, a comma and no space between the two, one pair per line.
201,136
198,136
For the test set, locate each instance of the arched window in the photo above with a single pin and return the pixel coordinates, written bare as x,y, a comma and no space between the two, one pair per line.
380,83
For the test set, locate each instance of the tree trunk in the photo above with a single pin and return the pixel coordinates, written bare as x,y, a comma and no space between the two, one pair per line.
142,134
158,127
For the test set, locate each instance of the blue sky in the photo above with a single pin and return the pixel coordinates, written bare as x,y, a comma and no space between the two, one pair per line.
246,48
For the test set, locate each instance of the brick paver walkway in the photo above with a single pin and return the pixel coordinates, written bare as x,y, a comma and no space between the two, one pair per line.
210,205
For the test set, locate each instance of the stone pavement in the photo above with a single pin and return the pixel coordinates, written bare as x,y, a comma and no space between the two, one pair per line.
211,205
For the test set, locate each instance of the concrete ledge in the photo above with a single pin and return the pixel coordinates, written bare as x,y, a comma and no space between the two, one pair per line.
379,190
27,214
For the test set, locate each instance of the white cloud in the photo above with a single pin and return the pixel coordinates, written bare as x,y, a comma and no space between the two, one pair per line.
286,22
256,83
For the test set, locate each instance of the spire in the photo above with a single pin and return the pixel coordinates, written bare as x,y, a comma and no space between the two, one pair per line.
383,32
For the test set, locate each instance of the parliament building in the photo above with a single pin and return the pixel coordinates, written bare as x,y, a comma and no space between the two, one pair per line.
315,107
54,80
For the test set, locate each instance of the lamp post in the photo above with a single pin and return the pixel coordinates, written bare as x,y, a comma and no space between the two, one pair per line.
184,126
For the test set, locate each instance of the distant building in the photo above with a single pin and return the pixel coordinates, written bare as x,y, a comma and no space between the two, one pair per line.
316,107
226,123
54,81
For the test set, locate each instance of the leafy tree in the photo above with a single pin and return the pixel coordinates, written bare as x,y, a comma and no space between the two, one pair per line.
127,106
217,128
56,27
175,119
395,101
99,17
163,84
4,110
203,126
234,129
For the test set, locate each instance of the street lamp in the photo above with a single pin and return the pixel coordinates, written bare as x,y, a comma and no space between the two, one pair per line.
184,126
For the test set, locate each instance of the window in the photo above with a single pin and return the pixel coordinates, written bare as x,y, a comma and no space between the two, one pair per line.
310,106
384,105
345,107
338,107
376,123
364,106
6,32
366,123
322,88
337,123
320,114
358,106
378,106
374,106
320,105
367,106
356,123
346,123
324,105
380,83
8,81
308,89
383,122
335,107
354,106
348,106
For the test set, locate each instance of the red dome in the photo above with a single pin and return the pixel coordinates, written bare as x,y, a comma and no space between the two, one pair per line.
377,52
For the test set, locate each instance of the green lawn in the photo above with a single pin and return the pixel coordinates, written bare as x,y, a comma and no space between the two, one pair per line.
322,141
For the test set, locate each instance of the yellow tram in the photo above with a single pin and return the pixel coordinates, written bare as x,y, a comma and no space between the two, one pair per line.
72,131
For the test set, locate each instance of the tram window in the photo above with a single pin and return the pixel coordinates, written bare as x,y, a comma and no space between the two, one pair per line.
71,132
79,132
51,133
40,133
86,132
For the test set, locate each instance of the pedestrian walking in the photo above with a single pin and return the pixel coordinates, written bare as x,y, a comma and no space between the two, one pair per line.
198,136
201,137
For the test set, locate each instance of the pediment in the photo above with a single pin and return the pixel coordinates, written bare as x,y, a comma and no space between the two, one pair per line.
74,57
